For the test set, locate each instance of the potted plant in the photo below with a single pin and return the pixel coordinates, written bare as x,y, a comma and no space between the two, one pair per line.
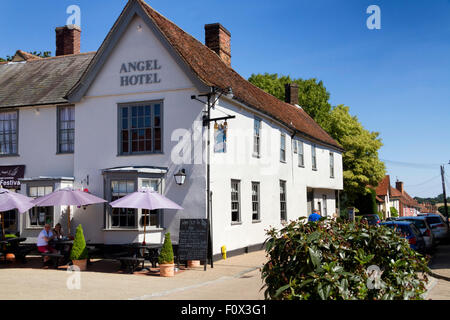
165,259
79,252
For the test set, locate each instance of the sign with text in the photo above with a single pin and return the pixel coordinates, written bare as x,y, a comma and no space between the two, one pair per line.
146,73
193,239
10,175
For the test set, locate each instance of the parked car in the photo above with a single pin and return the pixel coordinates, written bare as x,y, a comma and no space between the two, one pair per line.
438,225
421,223
410,232
372,219
391,218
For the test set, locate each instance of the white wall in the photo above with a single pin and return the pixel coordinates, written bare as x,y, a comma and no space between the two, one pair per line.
238,163
96,130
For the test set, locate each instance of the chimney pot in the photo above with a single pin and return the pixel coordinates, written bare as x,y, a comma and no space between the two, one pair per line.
217,38
68,40
291,93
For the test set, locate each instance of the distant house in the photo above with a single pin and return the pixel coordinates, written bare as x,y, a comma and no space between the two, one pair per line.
398,198
383,196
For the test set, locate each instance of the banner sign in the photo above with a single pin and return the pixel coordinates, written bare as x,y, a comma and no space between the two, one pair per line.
10,175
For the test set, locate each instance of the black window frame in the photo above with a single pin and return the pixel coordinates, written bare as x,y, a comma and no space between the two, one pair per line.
59,130
11,142
129,128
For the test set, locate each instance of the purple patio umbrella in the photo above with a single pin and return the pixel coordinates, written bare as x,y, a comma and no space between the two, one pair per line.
12,200
145,198
67,197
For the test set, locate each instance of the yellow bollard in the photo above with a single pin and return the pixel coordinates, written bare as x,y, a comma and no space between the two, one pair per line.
224,252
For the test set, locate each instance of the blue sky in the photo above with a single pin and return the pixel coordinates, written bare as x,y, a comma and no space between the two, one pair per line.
395,80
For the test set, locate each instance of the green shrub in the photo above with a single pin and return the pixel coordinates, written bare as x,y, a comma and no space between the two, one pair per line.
166,255
330,260
394,212
79,250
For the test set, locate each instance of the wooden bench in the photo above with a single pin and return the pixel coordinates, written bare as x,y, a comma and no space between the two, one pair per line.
54,257
130,263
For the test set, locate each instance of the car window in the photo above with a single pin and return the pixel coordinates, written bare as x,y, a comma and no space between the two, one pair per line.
433,220
401,228
415,230
419,223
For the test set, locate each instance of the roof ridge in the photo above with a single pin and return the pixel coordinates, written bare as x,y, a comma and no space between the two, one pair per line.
62,56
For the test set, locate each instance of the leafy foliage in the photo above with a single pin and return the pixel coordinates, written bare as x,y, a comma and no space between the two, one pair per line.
394,212
361,163
166,255
330,259
79,250
366,202
312,96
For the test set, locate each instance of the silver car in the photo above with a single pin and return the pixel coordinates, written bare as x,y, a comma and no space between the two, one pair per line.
438,225
425,229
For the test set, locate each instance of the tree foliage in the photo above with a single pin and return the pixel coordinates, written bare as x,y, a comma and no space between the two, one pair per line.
313,96
333,261
361,163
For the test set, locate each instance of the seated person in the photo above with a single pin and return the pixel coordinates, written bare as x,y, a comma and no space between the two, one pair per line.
42,241
57,231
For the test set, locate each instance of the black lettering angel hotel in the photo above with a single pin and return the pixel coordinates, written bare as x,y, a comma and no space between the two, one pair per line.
140,79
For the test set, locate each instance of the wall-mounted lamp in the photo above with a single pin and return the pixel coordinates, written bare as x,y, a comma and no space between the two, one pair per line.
37,111
139,28
180,177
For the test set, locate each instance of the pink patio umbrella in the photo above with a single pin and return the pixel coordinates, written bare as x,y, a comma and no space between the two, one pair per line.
67,197
12,200
145,198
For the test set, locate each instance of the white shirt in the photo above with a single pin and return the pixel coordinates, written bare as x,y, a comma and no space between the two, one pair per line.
40,240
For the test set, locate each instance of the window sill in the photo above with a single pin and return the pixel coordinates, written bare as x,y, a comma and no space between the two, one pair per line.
256,221
120,229
257,156
34,228
63,153
148,230
139,154
283,161
9,155
236,223
314,169
301,166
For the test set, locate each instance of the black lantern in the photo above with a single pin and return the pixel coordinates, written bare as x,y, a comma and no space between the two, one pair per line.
180,177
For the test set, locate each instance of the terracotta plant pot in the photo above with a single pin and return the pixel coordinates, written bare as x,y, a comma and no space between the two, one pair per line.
193,263
167,270
82,264
10,257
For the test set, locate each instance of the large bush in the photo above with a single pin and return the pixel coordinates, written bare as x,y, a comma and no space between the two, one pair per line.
394,212
330,260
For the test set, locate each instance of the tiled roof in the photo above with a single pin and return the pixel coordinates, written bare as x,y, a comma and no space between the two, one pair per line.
208,66
39,81
383,186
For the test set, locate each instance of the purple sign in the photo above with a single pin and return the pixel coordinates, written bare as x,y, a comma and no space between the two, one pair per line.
10,175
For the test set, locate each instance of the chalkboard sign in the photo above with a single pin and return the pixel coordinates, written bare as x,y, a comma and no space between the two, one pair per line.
193,239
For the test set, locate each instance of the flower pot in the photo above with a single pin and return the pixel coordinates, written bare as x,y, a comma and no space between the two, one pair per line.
10,257
82,264
193,263
166,270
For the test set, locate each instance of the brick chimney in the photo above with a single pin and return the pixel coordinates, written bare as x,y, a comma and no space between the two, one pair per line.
291,93
68,40
399,186
217,38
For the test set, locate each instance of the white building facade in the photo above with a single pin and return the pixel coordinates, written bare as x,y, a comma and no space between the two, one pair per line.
131,121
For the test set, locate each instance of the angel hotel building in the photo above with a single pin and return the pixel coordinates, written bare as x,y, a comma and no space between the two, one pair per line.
143,108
